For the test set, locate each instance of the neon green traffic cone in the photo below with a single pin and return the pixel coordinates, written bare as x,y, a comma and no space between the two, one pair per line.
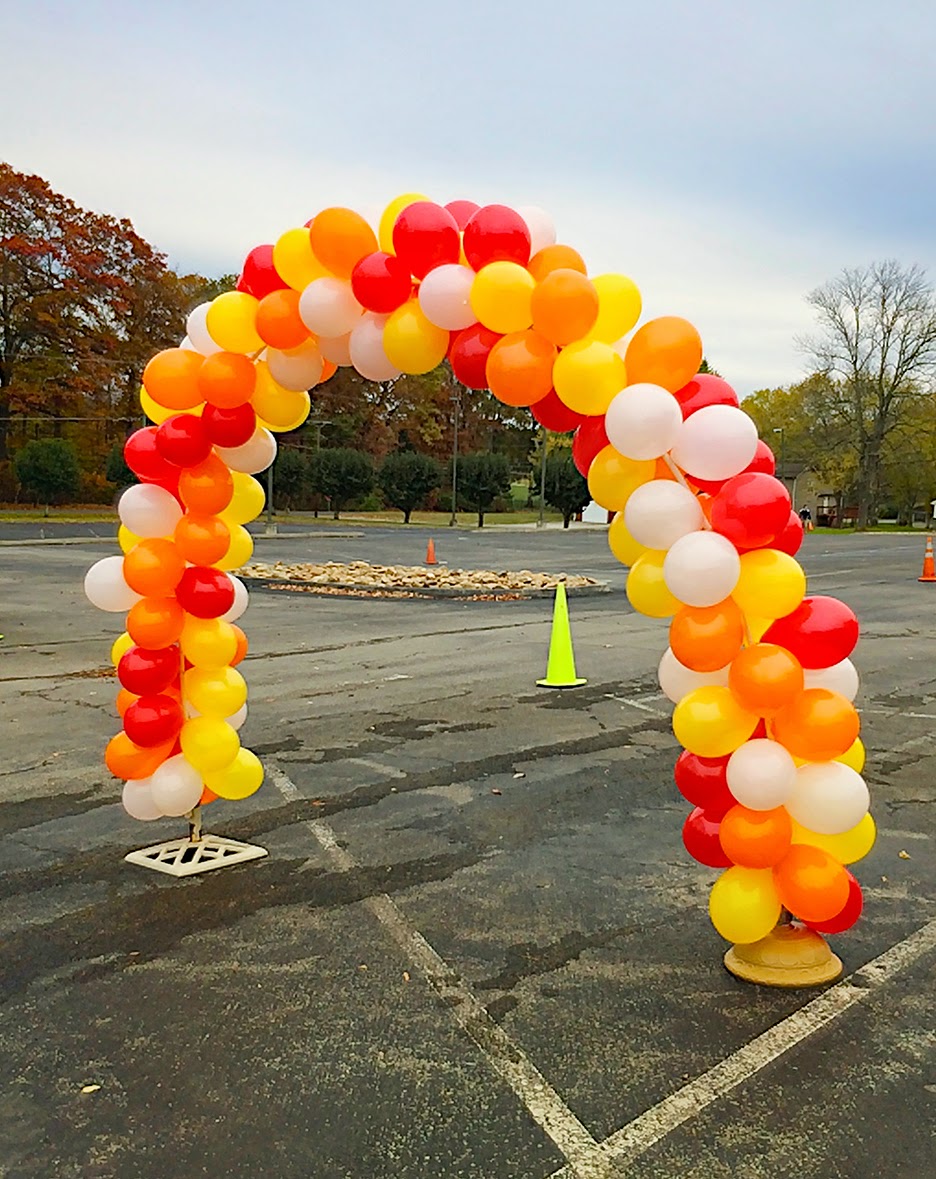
560,667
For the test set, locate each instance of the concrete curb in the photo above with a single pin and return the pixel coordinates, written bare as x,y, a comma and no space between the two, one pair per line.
275,584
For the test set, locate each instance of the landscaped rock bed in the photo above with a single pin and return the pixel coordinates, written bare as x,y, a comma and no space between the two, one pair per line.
411,581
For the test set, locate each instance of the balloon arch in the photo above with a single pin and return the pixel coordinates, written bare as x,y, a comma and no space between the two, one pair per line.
759,673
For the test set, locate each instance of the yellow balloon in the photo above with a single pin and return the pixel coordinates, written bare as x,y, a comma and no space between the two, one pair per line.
208,642
612,478
208,743
240,779
232,322
588,375
709,722
501,297
744,905
848,847
647,592
127,539
619,306
854,756
278,408
411,342
215,691
294,260
247,502
757,627
622,544
156,413
771,585
120,647
240,550
389,216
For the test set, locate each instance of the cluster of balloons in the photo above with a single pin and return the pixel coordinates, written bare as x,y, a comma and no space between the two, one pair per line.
759,673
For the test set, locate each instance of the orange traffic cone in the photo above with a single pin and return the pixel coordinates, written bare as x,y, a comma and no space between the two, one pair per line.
929,569
431,557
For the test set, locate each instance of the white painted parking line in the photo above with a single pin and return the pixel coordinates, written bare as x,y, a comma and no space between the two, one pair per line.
542,1102
656,1123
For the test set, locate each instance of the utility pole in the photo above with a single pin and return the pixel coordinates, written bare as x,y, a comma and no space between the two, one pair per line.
544,435
780,465
270,526
456,401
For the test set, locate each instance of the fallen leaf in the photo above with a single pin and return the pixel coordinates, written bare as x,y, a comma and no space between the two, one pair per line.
902,855
497,792
90,1088
406,976
519,775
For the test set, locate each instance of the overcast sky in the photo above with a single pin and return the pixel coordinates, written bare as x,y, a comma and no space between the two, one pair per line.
728,155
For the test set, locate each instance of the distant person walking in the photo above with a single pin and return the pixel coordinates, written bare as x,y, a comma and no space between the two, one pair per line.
806,516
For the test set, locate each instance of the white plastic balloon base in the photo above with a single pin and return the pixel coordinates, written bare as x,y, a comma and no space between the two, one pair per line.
188,857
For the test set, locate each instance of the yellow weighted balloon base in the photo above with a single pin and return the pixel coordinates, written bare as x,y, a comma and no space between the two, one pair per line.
789,956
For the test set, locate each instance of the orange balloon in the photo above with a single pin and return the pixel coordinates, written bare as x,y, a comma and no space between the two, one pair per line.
124,700
153,567
206,796
155,622
278,321
202,539
340,238
755,839
207,488
819,725
765,678
329,368
519,368
171,378
811,883
665,351
242,645
565,306
556,257
126,760
706,638
227,379
663,470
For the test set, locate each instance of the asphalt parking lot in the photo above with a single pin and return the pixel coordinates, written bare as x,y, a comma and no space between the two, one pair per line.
476,949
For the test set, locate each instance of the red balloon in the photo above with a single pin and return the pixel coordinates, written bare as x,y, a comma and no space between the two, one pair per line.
849,913
205,591
153,720
821,631
144,672
700,836
183,440
468,355
496,234
790,539
259,276
144,460
425,236
553,413
229,427
462,211
705,389
751,509
381,282
590,438
703,781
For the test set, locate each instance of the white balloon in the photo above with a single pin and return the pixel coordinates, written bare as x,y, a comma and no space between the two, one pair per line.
328,307
147,510
643,421
298,369
138,800
106,588
196,327
444,297
676,680
761,774
254,456
659,512
176,786
241,600
541,226
715,442
840,677
337,349
828,797
701,568
236,719
367,350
